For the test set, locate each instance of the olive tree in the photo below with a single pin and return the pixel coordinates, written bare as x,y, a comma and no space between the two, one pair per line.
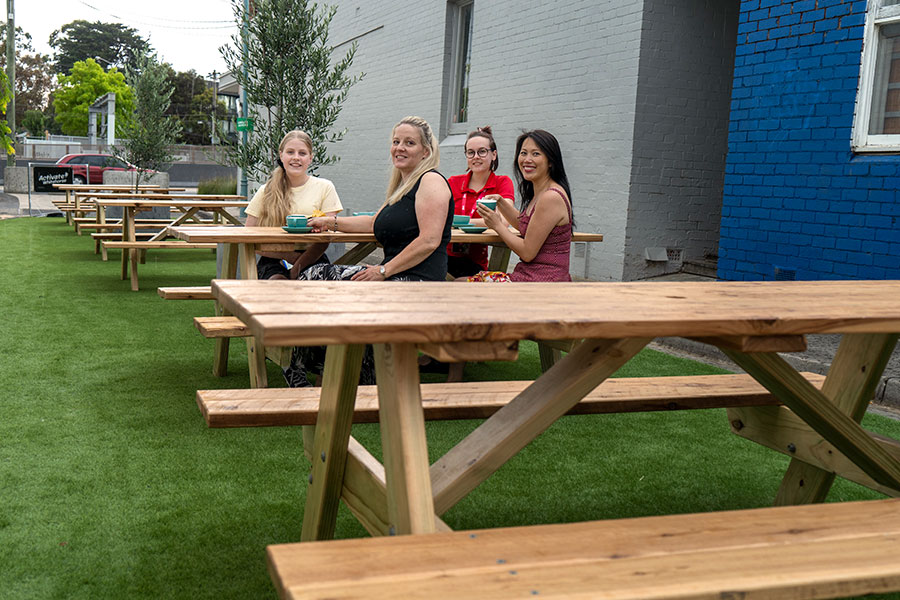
290,79
149,134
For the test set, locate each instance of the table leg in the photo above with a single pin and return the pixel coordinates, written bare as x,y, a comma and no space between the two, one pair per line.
126,235
332,435
354,255
499,259
528,415
820,413
133,253
224,215
405,448
850,384
256,352
229,270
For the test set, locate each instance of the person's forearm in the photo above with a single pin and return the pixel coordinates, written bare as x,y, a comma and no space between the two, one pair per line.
309,256
509,213
290,256
514,243
360,224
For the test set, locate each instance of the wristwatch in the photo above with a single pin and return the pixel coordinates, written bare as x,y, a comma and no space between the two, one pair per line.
381,271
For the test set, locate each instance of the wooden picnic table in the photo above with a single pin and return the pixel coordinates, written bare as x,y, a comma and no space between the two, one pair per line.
818,429
254,239
245,242
190,204
75,199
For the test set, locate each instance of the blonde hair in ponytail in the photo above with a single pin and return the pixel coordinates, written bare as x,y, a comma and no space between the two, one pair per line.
396,186
276,200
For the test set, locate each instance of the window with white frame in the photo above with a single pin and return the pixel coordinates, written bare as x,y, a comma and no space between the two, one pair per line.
459,25
877,124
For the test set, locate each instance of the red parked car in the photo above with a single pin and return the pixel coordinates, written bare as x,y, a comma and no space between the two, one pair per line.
89,168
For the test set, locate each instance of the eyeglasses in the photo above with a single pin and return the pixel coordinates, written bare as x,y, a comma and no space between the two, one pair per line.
482,152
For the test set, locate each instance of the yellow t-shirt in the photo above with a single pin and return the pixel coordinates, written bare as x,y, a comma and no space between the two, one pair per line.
315,194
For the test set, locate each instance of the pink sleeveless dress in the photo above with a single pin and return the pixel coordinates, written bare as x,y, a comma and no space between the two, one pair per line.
552,261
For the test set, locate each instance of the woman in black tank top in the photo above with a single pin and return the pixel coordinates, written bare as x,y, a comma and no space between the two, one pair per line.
413,226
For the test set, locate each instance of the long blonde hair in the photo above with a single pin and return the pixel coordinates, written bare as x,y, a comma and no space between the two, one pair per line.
396,186
276,199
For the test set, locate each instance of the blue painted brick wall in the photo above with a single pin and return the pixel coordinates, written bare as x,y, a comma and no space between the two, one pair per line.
795,196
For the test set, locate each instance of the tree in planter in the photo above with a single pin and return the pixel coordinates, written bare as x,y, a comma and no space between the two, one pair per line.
290,80
150,133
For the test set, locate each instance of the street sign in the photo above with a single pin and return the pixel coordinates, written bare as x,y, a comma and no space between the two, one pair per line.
244,124
46,177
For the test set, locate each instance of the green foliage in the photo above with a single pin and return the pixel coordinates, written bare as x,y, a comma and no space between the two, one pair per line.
35,123
192,105
79,40
5,96
219,185
87,82
292,81
150,133
34,77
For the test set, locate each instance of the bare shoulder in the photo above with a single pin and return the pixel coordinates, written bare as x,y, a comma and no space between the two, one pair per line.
553,197
434,184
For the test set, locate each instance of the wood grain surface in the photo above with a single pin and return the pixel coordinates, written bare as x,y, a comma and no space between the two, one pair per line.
318,312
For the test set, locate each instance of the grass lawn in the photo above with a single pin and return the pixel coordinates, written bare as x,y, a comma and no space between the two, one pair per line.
112,486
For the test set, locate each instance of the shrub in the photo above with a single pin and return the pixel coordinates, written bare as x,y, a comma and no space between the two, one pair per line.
219,185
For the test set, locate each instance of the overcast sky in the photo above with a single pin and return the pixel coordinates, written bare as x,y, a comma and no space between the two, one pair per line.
185,33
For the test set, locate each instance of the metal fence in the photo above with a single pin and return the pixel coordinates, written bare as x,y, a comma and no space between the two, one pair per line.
58,146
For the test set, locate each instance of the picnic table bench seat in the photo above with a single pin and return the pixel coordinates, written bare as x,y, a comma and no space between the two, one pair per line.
265,407
161,244
111,236
809,551
192,292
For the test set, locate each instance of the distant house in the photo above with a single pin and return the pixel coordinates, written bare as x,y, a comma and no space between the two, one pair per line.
813,168
638,94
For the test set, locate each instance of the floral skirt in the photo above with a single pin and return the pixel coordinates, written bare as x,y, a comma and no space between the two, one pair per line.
489,276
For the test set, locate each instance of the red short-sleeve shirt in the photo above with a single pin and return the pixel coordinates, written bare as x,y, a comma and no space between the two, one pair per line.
464,201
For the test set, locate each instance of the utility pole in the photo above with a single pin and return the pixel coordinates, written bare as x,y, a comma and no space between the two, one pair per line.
215,105
11,74
244,113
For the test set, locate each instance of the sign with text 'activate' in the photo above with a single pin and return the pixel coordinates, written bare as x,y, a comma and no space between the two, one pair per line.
46,177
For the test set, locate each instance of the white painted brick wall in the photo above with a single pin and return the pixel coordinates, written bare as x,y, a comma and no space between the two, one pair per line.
569,67
681,130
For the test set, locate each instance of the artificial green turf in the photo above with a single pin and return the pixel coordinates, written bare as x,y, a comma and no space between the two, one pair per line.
111,485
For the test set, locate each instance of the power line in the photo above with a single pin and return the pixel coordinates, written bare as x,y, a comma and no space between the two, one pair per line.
223,24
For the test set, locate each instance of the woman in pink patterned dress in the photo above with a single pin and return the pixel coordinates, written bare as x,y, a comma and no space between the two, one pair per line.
545,221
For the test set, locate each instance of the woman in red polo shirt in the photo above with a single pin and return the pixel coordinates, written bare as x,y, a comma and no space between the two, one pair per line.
480,181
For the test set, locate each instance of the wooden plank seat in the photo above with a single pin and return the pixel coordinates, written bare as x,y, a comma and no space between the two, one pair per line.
163,244
263,407
808,551
194,292
219,327
223,328
99,238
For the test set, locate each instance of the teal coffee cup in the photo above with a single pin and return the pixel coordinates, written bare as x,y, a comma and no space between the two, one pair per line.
460,220
296,221
491,204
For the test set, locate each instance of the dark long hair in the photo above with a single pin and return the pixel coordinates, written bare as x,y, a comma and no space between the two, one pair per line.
550,147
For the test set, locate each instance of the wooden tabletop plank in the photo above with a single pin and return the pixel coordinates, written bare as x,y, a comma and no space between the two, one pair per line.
276,235
298,313
186,201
